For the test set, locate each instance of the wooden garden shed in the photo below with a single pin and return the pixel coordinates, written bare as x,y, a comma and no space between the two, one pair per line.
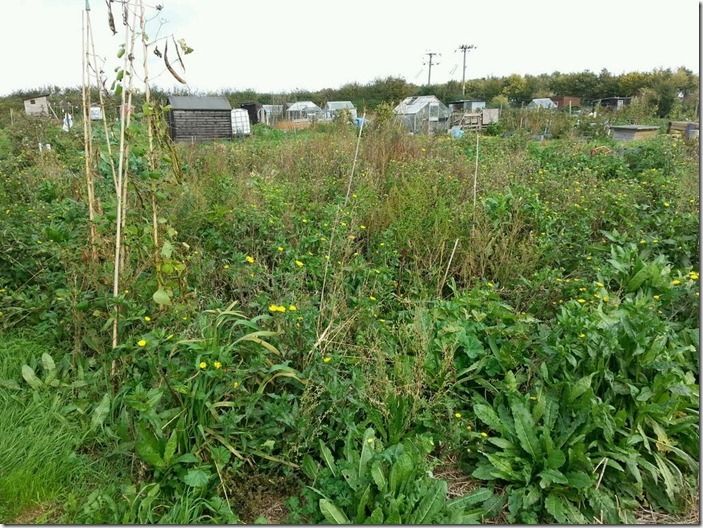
195,118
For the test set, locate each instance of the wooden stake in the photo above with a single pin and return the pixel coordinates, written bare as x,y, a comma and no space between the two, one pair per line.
87,141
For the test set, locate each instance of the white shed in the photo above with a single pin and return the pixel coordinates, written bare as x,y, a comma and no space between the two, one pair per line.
37,105
270,114
543,102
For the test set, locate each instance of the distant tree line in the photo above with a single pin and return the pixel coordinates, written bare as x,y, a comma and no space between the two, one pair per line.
666,91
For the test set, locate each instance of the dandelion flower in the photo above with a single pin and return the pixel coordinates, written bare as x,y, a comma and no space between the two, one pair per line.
217,364
581,301
657,297
326,359
666,204
202,365
141,342
280,249
484,435
675,282
235,384
457,415
582,336
372,298
249,259
226,266
292,307
147,318
299,263
362,227
693,275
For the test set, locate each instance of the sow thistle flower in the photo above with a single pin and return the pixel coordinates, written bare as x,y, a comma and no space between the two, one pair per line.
147,318
693,275
249,259
299,263
292,307
581,301
202,365
326,359
141,342
457,415
675,282
273,308
217,365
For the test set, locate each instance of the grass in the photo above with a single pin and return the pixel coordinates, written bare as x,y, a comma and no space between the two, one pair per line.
40,448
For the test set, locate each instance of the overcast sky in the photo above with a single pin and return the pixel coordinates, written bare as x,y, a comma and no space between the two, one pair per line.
275,45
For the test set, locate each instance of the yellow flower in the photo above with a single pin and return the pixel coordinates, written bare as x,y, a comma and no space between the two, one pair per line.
217,364
484,435
277,308
280,248
249,259
457,415
666,204
362,227
299,263
292,307
643,241
202,365
326,359
235,384
675,282
226,266
372,298
147,318
305,220
490,284
600,284
693,275
141,342
582,336
581,301
657,297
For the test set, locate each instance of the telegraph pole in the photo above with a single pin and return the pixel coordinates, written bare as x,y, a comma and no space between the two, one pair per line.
430,54
464,48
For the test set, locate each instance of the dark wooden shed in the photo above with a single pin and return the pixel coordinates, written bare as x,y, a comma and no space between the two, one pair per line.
195,118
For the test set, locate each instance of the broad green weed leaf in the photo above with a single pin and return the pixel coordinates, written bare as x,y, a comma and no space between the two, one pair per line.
333,514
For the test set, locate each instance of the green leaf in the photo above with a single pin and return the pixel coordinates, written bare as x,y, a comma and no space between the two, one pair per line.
488,416
148,447
162,297
170,449
431,504
30,377
47,363
475,497
310,467
328,458
167,249
101,411
366,452
555,506
580,387
196,478
361,506
555,459
550,476
376,517
525,429
378,476
333,514
400,471
579,479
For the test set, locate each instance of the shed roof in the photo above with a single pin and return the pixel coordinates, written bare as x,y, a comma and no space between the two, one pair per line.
412,105
195,102
38,96
543,102
339,105
634,127
303,105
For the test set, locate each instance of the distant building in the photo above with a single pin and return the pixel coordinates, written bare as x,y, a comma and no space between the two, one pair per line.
542,102
332,108
423,114
270,114
194,119
37,105
466,105
303,110
253,110
633,132
567,101
613,103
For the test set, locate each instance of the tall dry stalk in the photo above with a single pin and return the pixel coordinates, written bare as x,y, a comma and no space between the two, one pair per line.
88,138
121,188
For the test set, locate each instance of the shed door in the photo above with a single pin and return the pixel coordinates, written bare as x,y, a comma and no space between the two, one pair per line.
434,111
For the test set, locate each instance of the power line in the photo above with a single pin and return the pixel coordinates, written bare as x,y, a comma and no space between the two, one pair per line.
464,48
